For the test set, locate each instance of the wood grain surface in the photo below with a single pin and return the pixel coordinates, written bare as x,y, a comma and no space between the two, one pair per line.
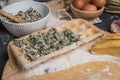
14,73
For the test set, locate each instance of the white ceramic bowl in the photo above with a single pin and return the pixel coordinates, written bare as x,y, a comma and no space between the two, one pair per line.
21,29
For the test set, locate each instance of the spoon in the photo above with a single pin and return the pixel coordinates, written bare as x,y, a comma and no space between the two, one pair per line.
12,17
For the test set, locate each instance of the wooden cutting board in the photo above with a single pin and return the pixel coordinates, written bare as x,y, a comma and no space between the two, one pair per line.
74,58
100,65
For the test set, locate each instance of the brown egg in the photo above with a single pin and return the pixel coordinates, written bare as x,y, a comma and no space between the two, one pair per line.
90,7
87,3
78,3
99,3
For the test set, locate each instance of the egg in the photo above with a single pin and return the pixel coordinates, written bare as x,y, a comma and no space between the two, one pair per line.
99,3
78,3
87,3
90,7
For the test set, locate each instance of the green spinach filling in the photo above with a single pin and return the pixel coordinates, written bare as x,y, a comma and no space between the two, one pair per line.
42,44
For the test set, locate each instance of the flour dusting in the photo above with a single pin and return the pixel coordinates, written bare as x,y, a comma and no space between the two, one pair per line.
78,56
106,69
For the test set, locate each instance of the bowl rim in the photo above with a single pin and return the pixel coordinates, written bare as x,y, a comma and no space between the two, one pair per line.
101,9
28,23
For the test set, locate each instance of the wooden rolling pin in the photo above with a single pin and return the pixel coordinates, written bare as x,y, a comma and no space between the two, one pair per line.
12,17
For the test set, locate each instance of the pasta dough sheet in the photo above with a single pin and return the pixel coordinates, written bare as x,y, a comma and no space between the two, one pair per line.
88,31
98,70
107,45
107,51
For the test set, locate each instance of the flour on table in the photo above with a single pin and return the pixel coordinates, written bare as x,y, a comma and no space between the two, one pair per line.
106,69
78,56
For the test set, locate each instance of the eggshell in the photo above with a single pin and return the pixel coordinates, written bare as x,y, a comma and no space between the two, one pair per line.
90,7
